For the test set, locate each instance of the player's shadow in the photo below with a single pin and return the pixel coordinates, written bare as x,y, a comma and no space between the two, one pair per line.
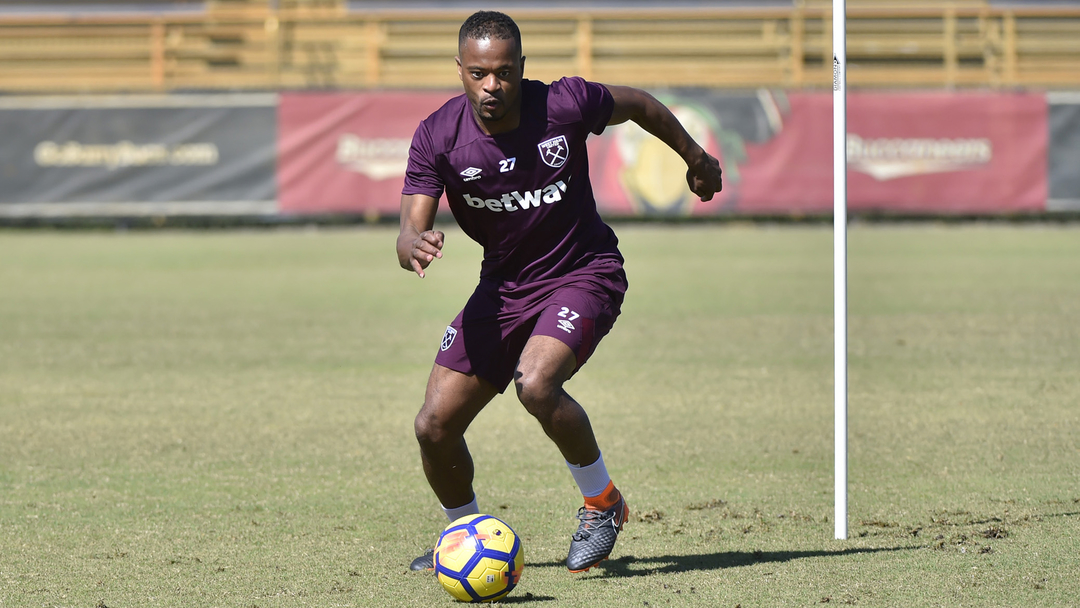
629,565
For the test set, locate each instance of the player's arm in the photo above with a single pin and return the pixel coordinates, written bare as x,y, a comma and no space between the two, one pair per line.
417,243
703,171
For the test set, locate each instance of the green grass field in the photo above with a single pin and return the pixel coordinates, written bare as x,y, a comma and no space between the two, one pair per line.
225,419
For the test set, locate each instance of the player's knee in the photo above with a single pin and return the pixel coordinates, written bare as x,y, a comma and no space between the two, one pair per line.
539,395
430,429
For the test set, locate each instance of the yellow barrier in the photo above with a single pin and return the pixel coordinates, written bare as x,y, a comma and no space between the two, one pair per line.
321,45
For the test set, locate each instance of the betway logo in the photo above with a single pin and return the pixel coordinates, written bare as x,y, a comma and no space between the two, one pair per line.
890,158
513,201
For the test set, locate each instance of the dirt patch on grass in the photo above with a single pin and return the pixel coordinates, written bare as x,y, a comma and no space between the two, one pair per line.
651,516
994,532
710,504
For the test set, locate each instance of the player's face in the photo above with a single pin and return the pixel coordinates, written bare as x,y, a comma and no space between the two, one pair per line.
491,71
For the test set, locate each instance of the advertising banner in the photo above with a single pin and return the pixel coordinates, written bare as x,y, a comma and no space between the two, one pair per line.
1064,151
920,153
138,155
347,152
907,153
634,173
948,152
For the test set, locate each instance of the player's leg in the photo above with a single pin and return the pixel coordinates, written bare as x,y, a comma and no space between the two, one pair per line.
451,402
469,371
545,364
562,341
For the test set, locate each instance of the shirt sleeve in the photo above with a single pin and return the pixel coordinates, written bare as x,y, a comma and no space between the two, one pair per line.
420,174
594,101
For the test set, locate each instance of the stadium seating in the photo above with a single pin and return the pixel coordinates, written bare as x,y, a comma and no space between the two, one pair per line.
290,44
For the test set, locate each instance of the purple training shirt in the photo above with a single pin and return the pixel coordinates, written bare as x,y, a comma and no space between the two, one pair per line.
524,195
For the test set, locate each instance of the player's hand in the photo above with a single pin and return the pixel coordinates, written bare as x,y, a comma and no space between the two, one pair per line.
427,246
703,176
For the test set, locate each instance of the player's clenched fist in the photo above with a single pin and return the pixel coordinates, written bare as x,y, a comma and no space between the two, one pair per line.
704,176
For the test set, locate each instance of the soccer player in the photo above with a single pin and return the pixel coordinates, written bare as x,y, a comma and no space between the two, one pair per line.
510,155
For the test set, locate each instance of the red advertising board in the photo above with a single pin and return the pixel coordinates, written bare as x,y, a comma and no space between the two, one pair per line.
346,152
908,153
950,152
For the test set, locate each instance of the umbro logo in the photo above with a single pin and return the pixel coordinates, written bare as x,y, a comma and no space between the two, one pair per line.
472,173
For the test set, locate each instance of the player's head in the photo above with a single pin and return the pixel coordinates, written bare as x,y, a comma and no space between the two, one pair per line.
489,25
490,65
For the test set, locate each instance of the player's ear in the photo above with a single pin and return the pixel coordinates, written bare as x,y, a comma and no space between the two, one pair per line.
460,76
523,64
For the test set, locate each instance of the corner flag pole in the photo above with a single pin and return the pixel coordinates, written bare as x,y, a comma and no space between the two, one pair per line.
839,32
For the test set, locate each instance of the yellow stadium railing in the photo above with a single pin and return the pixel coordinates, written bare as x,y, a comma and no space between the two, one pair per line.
251,46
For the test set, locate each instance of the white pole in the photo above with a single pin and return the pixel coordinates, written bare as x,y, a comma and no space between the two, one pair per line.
839,28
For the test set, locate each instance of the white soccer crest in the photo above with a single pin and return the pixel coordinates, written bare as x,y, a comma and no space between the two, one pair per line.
448,337
554,151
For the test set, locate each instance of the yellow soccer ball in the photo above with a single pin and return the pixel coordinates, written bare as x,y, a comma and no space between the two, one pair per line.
479,559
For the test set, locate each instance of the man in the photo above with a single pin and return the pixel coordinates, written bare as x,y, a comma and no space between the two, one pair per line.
510,154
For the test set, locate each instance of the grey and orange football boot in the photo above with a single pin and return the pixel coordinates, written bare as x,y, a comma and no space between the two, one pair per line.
596,535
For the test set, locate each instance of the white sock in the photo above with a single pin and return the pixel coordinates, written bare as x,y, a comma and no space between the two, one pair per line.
459,512
591,479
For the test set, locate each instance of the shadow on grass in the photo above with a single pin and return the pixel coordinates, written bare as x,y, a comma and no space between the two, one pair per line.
524,599
629,565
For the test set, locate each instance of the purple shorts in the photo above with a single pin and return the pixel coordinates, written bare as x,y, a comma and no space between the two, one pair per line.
488,335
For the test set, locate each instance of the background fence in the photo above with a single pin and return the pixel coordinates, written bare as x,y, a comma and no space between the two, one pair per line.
289,44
